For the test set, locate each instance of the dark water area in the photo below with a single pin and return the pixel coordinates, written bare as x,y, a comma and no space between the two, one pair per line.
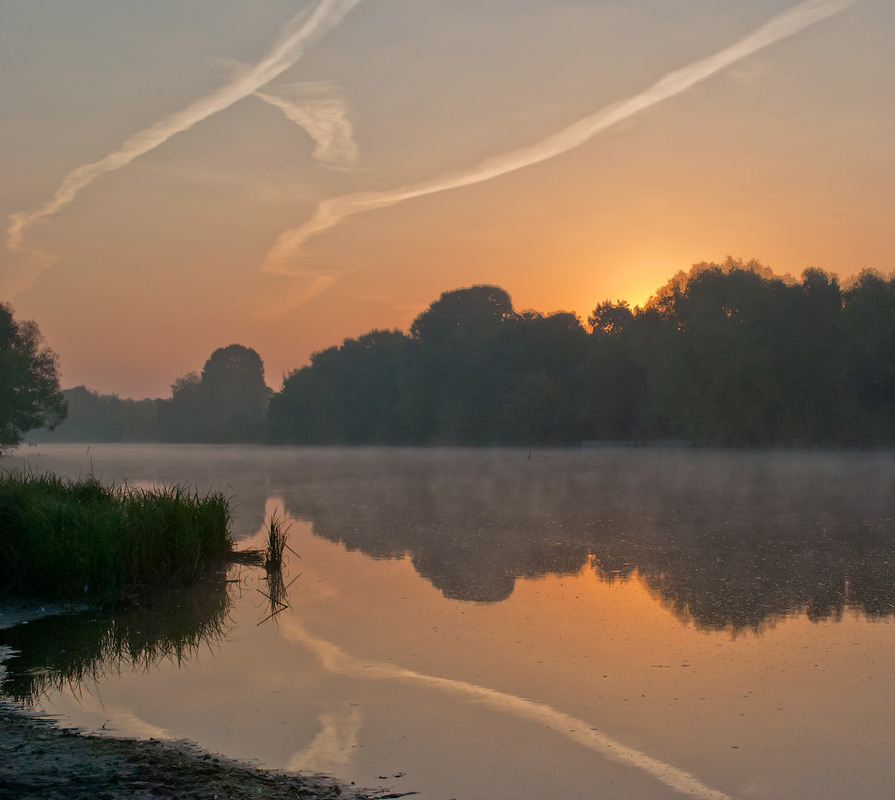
500,623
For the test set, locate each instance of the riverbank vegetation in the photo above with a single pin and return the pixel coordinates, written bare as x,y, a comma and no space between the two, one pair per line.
80,539
725,355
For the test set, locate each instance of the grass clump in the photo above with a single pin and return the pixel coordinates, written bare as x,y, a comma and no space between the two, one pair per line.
277,535
277,589
68,539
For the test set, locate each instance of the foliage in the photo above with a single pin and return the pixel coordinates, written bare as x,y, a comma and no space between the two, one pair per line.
94,417
727,354
68,539
468,313
29,382
226,403
348,395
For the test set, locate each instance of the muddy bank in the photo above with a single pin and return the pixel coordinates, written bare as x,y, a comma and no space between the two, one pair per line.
41,762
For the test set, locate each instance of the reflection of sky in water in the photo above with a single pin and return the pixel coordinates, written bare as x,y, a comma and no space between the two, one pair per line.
641,610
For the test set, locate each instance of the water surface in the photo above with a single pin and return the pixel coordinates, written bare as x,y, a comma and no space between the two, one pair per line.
484,624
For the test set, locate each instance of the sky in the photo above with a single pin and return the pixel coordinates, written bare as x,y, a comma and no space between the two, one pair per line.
180,176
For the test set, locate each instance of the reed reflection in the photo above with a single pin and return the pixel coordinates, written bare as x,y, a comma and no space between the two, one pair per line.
726,541
62,652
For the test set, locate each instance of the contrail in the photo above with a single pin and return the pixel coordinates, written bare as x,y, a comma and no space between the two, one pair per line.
325,117
337,661
331,212
297,34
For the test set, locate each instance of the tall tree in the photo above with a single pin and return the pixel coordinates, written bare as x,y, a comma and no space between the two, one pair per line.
226,403
539,358
234,393
869,340
347,395
183,417
470,314
29,380
613,388
458,376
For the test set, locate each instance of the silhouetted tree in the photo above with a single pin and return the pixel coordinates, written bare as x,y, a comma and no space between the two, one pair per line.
540,357
226,403
815,382
471,314
611,318
347,395
183,416
234,394
869,342
456,382
29,382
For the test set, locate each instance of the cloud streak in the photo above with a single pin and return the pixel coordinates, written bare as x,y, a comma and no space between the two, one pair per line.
297,34
331,212
325,117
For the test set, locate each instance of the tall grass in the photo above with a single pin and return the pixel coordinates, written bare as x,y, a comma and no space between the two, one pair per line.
277,537
66,539
277,545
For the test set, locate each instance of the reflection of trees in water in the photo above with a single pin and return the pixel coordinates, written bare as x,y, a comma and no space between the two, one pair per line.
64,651
725,540
453,514
746,580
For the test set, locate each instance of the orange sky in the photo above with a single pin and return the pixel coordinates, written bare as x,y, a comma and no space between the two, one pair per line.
153,156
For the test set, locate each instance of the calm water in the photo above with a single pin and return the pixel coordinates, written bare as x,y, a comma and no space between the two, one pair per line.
505,624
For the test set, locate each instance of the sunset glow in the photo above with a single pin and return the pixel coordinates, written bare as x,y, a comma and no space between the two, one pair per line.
291,173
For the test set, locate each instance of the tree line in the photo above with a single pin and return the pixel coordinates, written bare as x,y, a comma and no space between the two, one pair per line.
728,354
226,402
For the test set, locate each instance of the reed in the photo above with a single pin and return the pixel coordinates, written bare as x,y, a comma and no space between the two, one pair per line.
61,538
277,536
277,588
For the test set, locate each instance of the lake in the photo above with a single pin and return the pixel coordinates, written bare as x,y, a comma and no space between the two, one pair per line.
597,622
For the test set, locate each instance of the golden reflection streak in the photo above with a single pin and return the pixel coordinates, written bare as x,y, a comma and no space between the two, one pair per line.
337,661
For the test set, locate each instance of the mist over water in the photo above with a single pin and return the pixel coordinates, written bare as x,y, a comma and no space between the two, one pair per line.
726,538
682,605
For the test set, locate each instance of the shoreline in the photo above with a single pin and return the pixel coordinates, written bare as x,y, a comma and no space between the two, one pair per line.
42,761
39,761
